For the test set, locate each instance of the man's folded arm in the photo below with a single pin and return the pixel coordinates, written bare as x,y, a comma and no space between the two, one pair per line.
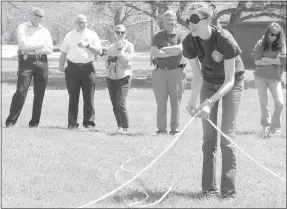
155,52
175,49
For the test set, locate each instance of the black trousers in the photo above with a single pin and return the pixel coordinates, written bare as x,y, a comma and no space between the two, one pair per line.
118,90
38,69
81,77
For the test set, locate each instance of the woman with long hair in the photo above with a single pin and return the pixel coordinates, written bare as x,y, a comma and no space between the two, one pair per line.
269,55
218,72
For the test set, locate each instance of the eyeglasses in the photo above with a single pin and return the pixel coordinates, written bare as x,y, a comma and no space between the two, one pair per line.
40,16
194,18
272,34
120,32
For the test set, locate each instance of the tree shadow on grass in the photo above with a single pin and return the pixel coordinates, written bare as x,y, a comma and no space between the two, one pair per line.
257,133
60,127
245,132
138,133
56,81
141,80
154,196
93,130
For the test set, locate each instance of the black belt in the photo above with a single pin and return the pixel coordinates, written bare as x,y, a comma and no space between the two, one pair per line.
80,64
167,68
36,56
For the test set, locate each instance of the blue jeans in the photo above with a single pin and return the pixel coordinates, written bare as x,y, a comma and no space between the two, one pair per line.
230,107
118,90
275,88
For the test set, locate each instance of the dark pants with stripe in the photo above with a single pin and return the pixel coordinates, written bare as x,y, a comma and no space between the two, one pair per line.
118,90
81,77
38,69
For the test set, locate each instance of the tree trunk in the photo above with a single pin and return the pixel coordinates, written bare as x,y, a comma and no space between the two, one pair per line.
117,17
235,17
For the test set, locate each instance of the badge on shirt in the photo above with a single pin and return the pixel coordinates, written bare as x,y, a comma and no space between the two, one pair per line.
217,56
25,57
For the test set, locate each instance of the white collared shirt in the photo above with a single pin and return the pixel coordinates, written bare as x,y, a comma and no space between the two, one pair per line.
29,36
80,54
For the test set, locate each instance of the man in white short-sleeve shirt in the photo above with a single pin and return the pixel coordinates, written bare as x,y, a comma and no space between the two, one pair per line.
34,43
79,49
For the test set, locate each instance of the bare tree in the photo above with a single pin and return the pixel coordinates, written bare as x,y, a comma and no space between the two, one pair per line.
115,13
238,11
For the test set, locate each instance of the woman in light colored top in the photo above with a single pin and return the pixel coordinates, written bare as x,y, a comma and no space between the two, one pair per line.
119,76
269,56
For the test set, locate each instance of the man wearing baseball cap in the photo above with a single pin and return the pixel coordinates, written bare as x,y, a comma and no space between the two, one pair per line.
79,48
34,43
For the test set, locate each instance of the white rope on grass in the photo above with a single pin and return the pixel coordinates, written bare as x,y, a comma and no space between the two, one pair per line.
262,166
123,169
171,145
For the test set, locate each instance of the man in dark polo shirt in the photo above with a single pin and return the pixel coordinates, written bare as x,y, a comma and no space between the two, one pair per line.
168,75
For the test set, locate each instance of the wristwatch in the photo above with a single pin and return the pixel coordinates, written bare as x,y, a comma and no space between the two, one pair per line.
210,102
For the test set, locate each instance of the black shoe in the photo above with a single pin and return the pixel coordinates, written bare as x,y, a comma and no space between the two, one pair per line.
205,194
33,125
10,125
173,132
89,126
227,198
161,132
73,126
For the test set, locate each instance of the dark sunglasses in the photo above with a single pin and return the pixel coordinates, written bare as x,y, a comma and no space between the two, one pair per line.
272,34
194,18
40,16
120,32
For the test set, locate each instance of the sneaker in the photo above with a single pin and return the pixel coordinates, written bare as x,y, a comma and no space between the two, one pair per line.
275,132
119,130
173,133
265,132
125,132
161,132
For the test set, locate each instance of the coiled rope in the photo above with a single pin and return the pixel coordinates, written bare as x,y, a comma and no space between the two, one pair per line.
172,144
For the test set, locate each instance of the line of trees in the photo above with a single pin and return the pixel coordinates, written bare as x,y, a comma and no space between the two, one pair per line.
136,16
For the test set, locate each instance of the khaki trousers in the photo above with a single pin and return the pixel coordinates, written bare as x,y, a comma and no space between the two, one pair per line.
168,83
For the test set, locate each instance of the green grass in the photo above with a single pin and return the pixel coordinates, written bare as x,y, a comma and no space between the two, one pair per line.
52,166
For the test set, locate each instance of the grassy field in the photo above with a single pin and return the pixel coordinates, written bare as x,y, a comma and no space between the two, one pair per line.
53,167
